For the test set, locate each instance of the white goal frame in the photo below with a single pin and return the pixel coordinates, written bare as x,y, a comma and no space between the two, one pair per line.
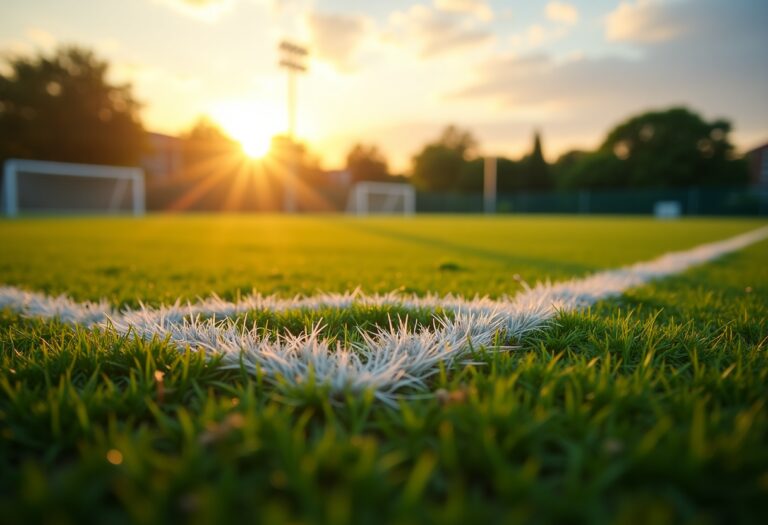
14,167
358,198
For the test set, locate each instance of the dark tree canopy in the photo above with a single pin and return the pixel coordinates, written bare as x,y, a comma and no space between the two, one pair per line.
367,163
204,141
508,176
534,168
459,140
669,148
204,129
61,107
439,166
529,173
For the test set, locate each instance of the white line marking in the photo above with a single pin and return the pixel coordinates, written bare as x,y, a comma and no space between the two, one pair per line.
386,361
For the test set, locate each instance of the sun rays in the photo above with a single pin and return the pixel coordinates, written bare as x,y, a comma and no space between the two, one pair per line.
240,161
251,124
229,180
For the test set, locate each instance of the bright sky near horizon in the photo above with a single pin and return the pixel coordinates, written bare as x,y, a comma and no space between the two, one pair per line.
394,73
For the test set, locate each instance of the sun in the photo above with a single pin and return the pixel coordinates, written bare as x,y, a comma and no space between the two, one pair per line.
251,124
255,148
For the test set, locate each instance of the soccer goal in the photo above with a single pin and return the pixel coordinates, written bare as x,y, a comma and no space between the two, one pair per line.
35,186
369,198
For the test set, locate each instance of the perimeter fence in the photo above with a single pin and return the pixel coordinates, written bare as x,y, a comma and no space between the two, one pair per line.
684,201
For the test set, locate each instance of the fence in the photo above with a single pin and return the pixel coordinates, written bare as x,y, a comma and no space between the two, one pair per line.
691,201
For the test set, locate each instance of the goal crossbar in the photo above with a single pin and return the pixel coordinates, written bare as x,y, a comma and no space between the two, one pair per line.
13,167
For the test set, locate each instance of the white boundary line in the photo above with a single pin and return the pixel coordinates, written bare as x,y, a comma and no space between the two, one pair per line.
386,361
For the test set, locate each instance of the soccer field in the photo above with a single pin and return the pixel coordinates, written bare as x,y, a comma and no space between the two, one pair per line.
642,406
162,258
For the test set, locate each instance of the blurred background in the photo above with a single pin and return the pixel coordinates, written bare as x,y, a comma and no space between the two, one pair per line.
600,106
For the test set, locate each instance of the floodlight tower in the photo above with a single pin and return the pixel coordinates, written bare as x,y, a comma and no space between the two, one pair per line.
293,59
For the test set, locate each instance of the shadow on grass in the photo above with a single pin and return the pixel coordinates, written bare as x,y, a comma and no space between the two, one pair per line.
473,251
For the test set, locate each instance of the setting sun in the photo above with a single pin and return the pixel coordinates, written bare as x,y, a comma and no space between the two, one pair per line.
256,148
251,124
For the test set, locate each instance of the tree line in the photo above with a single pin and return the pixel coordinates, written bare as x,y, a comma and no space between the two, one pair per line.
669,148
62,107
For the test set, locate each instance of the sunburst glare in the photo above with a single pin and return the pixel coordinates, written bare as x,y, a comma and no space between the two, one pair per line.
250,123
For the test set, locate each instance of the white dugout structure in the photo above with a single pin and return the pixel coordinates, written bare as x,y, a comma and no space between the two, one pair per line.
89,188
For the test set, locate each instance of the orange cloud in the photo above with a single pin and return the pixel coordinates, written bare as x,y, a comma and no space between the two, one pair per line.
643,21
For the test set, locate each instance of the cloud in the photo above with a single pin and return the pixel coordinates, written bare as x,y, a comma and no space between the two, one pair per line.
562,12
563,16
434,31
33,41
41,38
537,35
204,10
37,39
716,65
337,38
477,8
538,79
643,21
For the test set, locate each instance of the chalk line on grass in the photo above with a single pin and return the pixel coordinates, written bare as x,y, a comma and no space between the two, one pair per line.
385,361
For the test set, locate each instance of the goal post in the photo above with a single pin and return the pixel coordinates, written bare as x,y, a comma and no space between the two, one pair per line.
369,198
106,187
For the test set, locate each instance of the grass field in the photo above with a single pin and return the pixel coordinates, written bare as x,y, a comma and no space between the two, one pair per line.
645,408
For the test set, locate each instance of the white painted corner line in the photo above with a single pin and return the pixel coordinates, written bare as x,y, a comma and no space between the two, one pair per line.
386,361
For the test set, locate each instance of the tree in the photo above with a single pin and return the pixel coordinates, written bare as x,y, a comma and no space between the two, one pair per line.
670,148
564,165
511,176
61,107
287,152
367,163
205,130
459,140
439,166
534,168
529,173
205,141
597,169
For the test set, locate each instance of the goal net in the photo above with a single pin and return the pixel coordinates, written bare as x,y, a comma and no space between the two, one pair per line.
34,186
369,198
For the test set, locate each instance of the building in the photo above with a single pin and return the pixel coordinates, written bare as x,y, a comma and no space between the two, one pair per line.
164,158
758,166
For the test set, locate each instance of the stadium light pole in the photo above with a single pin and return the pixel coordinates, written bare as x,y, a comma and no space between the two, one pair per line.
293,59
489,185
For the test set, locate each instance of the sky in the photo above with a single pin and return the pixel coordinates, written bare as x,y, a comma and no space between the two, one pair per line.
394,73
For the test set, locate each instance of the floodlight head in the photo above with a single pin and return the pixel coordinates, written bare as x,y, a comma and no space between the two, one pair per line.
295,66
291,48
293,56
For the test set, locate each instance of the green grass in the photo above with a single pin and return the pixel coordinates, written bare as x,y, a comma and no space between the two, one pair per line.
165,257
647,408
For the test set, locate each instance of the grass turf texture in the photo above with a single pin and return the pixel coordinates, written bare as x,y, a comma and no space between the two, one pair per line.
162,258
647,408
